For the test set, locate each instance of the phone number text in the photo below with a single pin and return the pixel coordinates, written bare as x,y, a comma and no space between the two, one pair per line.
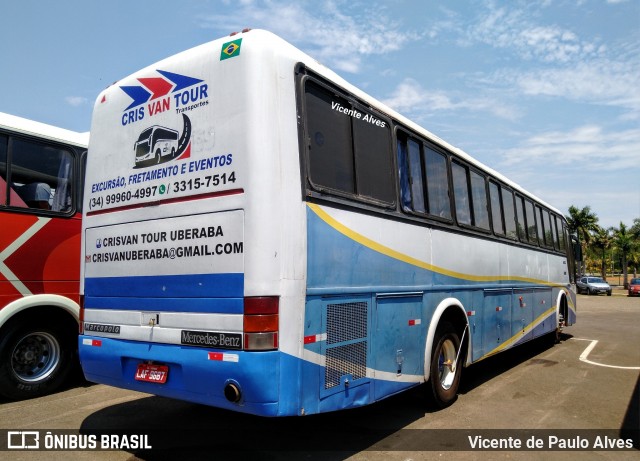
162,190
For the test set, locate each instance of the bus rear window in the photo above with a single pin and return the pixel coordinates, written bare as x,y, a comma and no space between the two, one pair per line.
330,151
349,147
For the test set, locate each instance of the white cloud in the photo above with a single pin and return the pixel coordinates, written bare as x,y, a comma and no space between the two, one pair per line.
339,40
410,97
588,148
557,62
588,165
76,101
514,31
599,81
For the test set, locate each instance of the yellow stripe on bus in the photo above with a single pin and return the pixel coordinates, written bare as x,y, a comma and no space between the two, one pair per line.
367,242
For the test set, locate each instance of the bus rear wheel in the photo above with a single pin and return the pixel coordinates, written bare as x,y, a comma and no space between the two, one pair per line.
444,376
34,360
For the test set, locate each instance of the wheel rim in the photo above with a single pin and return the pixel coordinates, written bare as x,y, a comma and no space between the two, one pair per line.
446,360
35,357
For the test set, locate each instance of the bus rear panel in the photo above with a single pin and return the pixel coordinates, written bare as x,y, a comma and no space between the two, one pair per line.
184,290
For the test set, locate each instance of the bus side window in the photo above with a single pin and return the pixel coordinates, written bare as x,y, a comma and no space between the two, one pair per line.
461,193
496,208
554,231
521,224
480,203
8,191
63,200
511,228
415,178
539,228
437,183
373,159
531,222
42,176
561,235
403,174
548,232
4,186
411,175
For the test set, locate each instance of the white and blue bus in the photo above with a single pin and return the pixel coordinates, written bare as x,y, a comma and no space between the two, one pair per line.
306,248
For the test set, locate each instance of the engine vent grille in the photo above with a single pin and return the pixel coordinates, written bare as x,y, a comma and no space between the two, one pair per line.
346,322
346,352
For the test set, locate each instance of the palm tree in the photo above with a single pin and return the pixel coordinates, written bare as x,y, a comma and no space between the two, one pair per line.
581,223
634,257
602,240
635,229
634,261
623,241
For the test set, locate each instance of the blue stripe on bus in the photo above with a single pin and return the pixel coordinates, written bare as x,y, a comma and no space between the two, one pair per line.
357,262
356,265
168,286
335,261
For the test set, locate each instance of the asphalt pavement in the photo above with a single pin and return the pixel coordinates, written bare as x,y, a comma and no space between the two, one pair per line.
583,390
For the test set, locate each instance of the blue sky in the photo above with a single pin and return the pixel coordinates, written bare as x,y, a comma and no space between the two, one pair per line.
545,91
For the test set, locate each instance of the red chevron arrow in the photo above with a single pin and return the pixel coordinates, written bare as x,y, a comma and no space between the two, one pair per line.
158,86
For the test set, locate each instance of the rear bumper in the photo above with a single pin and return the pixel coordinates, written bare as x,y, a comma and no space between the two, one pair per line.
195,374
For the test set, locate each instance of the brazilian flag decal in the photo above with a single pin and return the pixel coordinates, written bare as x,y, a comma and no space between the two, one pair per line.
230,49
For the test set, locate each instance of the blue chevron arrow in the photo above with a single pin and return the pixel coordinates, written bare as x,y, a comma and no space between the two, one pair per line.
181,81
137,93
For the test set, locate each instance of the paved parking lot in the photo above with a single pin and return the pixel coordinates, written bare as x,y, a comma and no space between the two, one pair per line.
585,387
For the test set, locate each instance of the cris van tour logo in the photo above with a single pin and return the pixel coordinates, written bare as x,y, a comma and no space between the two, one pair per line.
157,144
152,97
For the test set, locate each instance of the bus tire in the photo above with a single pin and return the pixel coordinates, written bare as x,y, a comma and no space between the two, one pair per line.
35,359
444,382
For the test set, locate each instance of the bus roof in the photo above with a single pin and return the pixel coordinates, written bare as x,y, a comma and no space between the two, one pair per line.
277,46
42,130
271,40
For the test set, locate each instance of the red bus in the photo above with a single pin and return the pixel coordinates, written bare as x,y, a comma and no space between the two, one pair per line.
40,224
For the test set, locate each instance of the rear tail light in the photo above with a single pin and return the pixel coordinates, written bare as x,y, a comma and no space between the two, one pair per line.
261,323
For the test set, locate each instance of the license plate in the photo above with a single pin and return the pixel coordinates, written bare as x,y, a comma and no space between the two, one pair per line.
152,373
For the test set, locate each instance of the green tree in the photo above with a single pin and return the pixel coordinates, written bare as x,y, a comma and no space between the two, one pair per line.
634,257
634,261
624,242
581,223
635,230
602,241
